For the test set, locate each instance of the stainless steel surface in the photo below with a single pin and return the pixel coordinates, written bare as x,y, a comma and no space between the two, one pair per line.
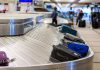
32,51
10,27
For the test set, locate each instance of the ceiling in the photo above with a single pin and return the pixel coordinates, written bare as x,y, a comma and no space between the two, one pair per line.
89,1
7,1
64,0
73,1
61,1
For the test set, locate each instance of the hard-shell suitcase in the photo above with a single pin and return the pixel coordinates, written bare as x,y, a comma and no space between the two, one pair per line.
65,24
61,53
67,29
73,38
95,21
3,59
80,48
95,24
82,23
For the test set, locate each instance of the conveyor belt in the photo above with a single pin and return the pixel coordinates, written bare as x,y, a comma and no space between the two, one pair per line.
34,48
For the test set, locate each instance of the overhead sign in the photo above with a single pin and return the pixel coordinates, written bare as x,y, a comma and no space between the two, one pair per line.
8,1
25,0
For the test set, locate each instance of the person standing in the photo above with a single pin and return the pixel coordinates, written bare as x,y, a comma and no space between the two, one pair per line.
27,8
54,16
79,17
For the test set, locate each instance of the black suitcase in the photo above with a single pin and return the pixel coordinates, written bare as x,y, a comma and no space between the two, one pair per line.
73,38
60,53
95,24
82,23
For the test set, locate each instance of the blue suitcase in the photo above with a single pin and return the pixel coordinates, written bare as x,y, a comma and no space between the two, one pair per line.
67,29
80,48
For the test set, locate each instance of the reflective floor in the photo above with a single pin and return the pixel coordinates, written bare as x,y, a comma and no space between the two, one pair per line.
93,40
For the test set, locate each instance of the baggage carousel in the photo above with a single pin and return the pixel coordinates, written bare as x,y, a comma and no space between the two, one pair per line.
10,26
32,51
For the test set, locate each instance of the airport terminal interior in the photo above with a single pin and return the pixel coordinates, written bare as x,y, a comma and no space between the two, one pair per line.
49,34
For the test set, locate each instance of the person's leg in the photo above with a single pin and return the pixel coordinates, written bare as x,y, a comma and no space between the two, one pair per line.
52,21
56,21
77,21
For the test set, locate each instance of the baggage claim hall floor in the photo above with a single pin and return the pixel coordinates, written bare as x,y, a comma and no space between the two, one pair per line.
34,47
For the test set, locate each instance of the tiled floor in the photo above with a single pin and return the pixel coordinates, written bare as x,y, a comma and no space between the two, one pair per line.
93,40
